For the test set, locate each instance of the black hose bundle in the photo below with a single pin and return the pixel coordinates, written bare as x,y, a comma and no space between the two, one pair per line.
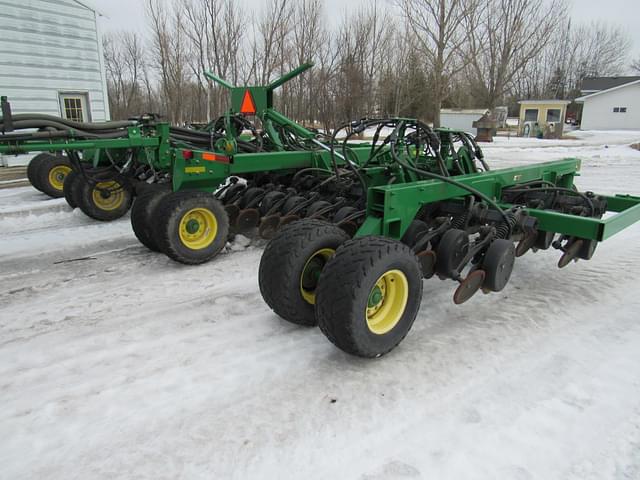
83,126
48,127
422,126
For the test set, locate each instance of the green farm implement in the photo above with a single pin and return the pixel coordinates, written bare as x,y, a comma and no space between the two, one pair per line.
353,227
175,171
425,204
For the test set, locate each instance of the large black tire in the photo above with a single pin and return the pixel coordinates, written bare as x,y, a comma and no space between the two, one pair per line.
290,263
108,204
33,169
368,296
179,212
142,214
50,174
70,189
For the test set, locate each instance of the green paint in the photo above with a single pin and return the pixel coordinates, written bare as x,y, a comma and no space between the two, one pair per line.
376,297
193,226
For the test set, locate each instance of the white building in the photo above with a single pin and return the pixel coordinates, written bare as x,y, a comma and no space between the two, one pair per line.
461,118
611,104
51,59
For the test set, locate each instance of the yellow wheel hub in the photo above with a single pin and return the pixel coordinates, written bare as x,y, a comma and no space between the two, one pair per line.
57,175
311,273
387,302
198,228
108,196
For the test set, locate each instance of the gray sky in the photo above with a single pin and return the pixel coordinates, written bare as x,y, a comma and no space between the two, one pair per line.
129,14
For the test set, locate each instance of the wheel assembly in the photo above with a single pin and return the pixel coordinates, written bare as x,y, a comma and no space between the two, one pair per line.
32,169
291,266
105,200
368,295
190,227
143,213
70,188
47,173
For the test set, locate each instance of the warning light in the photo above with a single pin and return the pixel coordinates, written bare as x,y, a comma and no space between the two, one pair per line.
214,157
248,106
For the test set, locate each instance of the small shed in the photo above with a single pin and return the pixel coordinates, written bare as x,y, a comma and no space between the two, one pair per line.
614,108
461,119
546,116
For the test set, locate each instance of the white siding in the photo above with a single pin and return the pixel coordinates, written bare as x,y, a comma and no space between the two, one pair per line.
47,47
459,121
598,110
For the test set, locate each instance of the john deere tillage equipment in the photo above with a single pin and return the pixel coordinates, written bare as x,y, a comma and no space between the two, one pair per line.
175,170
427,208
364,224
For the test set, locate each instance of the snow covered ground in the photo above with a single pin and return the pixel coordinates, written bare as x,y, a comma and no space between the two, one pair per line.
118,363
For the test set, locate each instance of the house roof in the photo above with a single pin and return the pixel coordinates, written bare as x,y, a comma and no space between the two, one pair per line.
464,111
624,85
88,4
597,84
544,102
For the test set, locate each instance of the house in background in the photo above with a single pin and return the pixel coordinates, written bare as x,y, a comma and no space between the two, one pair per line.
610,103
545,116
51,59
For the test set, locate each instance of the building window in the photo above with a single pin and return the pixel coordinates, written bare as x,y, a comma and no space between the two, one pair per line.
74,106
623,109
73,109
616,109
531,115
553,115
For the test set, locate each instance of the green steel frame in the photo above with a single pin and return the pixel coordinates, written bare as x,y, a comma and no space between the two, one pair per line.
392,208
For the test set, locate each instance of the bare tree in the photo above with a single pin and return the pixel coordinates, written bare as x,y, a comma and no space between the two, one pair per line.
446,52
364,43
505,37
441,38
270,42
596,49
309,38
125,68
170,56
603,50
215,33
635,65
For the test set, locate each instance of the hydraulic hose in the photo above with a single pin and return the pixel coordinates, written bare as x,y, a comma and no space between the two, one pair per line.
449,180
70,123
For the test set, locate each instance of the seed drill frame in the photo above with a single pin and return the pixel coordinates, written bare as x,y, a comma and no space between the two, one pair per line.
390,209
190,169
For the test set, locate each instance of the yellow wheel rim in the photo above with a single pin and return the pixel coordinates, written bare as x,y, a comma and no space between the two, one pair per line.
387,302
57,175
311,273
108,196
198,228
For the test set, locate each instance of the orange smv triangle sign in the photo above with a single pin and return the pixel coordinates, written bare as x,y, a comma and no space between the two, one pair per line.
248,106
